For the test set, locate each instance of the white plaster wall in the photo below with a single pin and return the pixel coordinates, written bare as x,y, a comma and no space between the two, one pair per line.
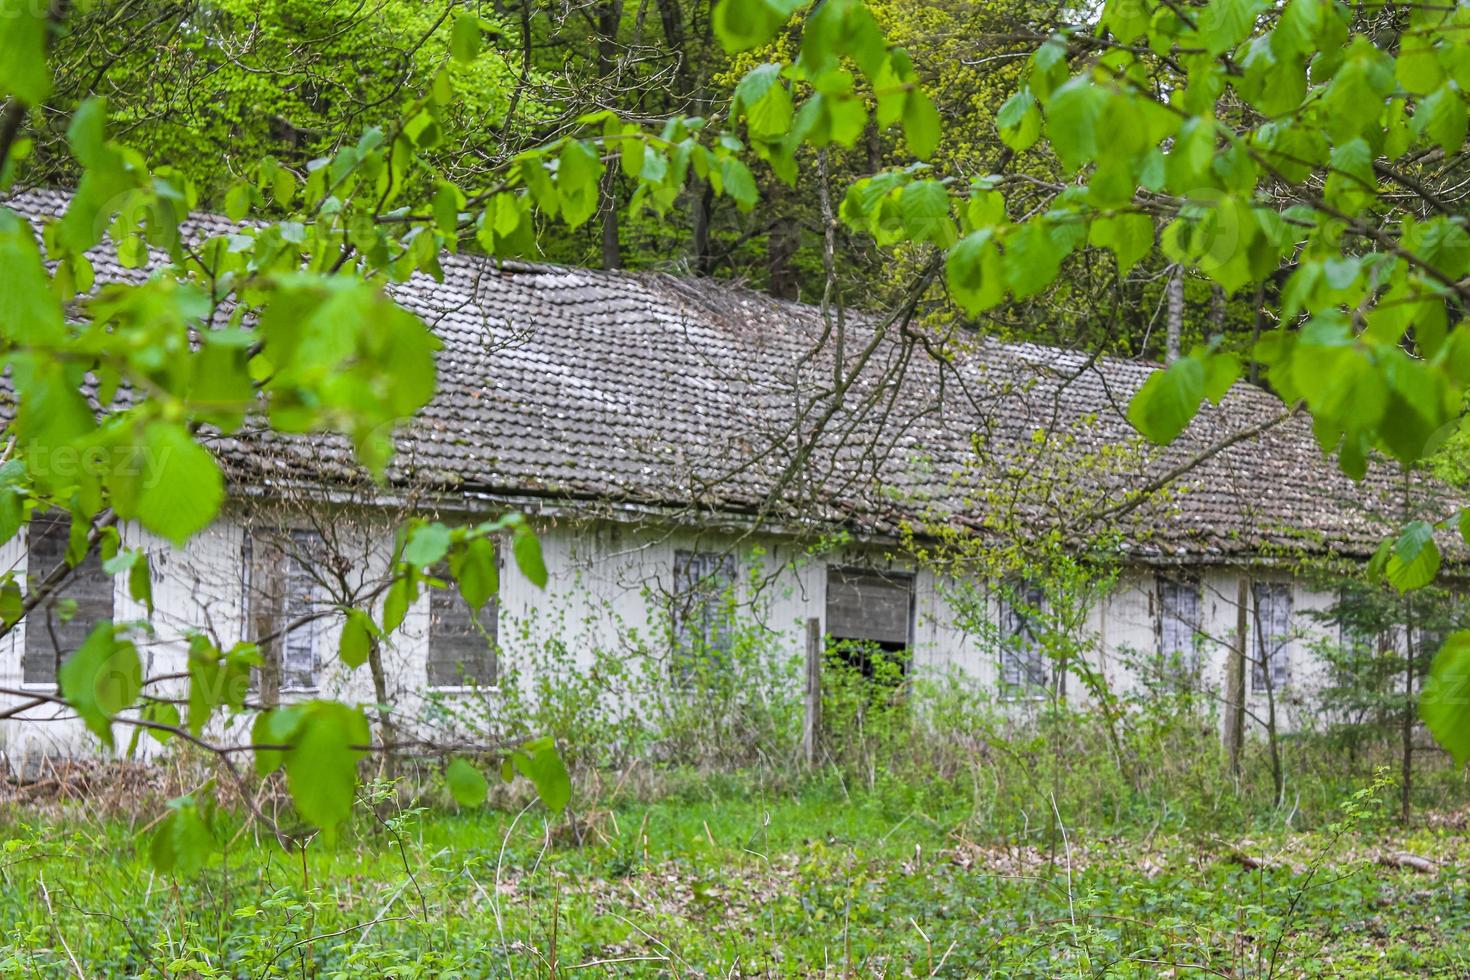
606,592
192,589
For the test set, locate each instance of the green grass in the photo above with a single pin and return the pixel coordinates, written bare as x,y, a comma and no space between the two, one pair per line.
727,879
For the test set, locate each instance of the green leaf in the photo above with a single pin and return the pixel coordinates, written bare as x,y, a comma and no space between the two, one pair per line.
1297,29
12,498
169,482
395,604
755,85
1444,704
321,765
77,538
1222,370
1048,67
923,206
467,784
12,602
631,155
427,544
1415,558
1072,118
839,29
744,24
276,727
1019,121
1032,259
29,311
921,125
446,204
237,201
476,568
527,550
101,678
765,102
1441,118
539,762
1187,165
357,639
161,713
23,70
1354,98
183,841
1126,19
578,182
1417,67
1168,400
1225,23
140,582
986,208
464,39
974,274
739,184
1128,236
216,679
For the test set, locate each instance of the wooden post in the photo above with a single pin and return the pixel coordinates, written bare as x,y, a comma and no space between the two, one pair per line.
811,730
1235,676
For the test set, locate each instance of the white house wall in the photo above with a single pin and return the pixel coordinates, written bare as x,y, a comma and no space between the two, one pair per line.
604,594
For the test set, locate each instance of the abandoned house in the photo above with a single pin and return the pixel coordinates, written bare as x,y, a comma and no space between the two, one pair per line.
705,464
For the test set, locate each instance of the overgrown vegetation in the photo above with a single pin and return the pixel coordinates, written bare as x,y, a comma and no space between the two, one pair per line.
942,829
998,846
1296,169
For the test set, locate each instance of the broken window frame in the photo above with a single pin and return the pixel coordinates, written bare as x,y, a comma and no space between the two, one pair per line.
49,641
1277,643
280,589
447,607
1177,631
701,613
1022,670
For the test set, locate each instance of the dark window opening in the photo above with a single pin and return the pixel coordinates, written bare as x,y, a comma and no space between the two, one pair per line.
1023,670
60,624
1178,626
281,603
883,663
870,618
462,641
1271,636
703,608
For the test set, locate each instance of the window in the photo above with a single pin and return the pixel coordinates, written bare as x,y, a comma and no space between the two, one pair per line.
870,619
59,625
462,640
1271,635
281,596
703,584
1022,657
1178,624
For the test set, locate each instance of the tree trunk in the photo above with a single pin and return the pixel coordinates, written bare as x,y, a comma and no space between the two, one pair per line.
1406,764
1174,315
1235,678
612,253
702,199
1258,323
784,240
609,16
812,727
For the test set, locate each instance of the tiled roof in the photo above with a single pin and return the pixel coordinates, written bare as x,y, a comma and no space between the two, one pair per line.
705,397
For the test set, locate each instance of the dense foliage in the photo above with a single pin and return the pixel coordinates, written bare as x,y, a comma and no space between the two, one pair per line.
1303,159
